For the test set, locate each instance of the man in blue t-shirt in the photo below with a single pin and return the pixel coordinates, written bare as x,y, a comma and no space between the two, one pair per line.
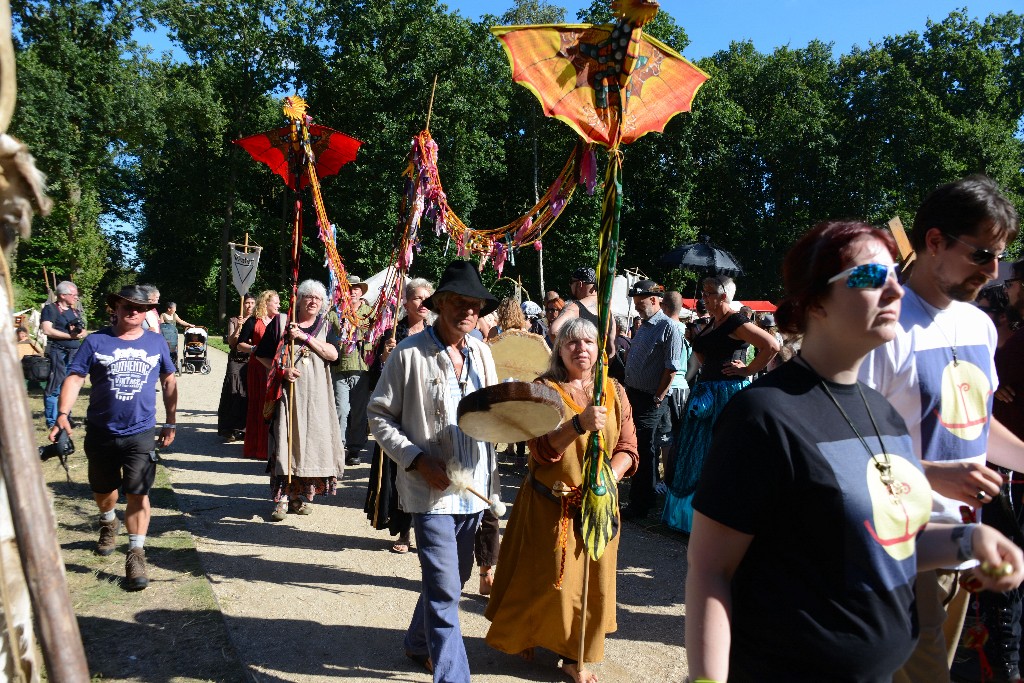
123,363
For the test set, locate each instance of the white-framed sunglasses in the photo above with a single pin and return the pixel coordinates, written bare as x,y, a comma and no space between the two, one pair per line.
867,275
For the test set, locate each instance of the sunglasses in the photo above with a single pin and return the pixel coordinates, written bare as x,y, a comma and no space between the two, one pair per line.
978,256
866,275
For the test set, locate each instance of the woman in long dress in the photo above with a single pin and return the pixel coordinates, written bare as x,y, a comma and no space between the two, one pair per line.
721,347
381,505
257,431
234,401
525,609
812,513
307,453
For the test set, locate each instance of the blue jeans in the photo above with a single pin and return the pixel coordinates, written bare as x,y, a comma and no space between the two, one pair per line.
446,562
351,396
60,359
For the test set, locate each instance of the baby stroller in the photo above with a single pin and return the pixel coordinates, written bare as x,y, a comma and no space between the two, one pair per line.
194,358
169,331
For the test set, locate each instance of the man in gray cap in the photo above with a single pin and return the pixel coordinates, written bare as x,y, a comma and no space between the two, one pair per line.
123,363
654,359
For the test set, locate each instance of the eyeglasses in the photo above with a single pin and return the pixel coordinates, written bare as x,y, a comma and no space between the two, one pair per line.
866,275
978,256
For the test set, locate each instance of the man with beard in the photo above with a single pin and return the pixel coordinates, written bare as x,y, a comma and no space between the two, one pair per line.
939,374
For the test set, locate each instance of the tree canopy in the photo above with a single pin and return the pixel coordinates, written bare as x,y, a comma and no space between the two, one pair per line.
149,186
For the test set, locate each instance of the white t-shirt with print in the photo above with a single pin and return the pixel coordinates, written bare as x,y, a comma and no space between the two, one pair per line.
947,405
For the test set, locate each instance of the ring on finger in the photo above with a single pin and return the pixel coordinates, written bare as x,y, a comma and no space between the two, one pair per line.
981,495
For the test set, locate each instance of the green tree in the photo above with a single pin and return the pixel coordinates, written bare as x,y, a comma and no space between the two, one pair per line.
86,110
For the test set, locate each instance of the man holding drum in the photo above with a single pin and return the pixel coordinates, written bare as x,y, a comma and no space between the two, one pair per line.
413,416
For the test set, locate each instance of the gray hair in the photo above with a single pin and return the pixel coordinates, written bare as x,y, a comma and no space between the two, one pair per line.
152,293
575,328
66,287
725,285
312,287
418,283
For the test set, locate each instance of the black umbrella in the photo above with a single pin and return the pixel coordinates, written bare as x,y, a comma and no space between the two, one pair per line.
703,255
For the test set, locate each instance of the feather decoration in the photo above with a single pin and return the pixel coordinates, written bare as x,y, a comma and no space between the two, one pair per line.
600,513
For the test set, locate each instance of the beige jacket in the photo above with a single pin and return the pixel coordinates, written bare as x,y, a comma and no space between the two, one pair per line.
407,413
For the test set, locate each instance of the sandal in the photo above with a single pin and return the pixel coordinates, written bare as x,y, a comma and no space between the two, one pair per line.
486,579
422,660
400,548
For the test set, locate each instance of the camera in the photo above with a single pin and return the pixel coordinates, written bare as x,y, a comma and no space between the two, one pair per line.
75,326
61,448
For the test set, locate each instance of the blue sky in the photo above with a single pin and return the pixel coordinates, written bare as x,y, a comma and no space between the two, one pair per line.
713,25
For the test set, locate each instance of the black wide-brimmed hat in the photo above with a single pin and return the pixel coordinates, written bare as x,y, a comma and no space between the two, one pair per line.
460,277
132,294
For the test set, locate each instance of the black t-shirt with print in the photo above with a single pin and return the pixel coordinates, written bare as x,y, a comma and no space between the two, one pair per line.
825,590
61,320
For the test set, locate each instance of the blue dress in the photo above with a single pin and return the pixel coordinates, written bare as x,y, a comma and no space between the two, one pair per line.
707,399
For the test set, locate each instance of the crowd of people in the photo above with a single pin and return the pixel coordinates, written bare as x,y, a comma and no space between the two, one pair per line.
828,461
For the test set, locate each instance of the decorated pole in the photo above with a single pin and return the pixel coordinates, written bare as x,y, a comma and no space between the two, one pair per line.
610,96
292,153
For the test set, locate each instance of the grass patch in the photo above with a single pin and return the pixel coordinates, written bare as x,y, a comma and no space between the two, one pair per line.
173,630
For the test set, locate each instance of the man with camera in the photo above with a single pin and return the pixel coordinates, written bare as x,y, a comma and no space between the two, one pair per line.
123,363
64,330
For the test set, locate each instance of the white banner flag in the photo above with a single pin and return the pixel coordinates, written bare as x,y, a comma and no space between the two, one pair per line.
243,267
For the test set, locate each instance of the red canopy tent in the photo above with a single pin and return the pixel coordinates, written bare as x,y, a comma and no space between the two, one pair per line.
765,306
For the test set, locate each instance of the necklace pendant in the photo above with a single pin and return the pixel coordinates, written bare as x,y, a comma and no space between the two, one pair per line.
894,487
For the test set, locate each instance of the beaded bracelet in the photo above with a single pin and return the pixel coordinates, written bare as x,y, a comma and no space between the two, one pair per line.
577,425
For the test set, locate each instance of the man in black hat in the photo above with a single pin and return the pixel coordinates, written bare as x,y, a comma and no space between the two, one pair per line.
654,359
413,416
123,363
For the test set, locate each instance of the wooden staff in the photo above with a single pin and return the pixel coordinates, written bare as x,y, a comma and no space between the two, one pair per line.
583,608
241,302
401,301
34,523
430,107
560,489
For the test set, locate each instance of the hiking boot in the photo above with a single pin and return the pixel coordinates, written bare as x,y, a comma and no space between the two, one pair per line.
108,536
135,569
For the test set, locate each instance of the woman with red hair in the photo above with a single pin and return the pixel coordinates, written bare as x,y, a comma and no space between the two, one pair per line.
811,516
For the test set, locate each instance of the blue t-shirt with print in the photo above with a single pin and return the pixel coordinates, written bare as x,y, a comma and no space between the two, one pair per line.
124,376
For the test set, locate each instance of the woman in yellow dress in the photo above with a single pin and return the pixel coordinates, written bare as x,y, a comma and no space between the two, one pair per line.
538,589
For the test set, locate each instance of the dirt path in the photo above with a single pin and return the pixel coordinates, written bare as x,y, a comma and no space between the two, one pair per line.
321,597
